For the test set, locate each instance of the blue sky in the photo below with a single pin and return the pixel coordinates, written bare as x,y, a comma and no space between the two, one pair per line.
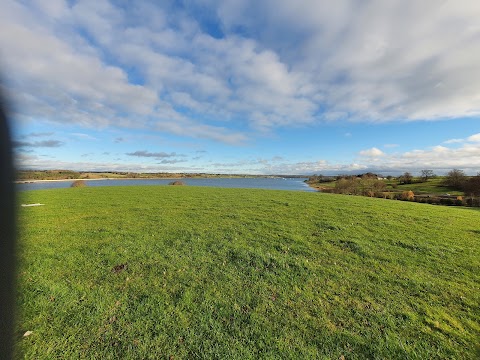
238,86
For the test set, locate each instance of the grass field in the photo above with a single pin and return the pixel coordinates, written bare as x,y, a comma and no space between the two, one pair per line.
434,186
190,273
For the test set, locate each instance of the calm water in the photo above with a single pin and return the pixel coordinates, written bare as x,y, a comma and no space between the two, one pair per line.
256,183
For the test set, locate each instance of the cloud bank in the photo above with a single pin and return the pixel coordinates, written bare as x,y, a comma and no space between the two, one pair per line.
439,158
231,70
35,144
156,155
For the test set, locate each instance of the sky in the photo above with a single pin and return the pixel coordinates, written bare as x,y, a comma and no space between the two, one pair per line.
240,86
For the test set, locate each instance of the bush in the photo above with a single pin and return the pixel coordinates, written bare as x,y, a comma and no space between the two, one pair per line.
427,174
472,187
473,202
455,179
319,179
446,201
407,195
347,186
406,178
79,183
177,182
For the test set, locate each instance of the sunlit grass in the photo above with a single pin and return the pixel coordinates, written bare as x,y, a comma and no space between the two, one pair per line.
192,272
434,186
431,186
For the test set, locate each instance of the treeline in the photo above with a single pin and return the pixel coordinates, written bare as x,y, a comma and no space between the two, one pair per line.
326,179
374,185
26,175
366,185
470,185
408,178
31,175
47,175
458,180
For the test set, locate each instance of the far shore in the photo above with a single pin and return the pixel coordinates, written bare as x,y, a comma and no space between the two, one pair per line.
146,178
33,176
113,178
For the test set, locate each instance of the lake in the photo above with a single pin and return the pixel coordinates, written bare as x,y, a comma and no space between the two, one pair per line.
251,183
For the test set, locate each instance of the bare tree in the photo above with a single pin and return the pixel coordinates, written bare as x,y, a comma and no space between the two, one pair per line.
455,178
427,174
472,188
406,178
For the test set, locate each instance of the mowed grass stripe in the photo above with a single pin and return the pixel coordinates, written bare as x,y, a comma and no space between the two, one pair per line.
243,274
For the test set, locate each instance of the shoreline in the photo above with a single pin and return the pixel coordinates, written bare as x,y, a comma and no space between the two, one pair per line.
220,182
60,180
145,178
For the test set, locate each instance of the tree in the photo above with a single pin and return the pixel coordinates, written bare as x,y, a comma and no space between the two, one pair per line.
176,182
455,179
427,174
371,186
406,178
347,185
78,183
472,187
408,195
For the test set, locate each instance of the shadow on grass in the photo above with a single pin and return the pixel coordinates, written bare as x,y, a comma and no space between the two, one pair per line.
348,245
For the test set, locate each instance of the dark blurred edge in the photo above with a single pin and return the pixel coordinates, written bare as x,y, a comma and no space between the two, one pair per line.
7,236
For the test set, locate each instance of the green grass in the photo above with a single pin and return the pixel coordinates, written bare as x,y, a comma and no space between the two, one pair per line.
431,186
245,274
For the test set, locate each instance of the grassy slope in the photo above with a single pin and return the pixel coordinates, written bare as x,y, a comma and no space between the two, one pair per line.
231,273
433,186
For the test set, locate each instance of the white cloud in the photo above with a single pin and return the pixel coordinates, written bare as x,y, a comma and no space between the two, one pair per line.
83,136
439,158
294,63
454,141
69,81
474,138
373,152
38,134
379,61
156,155
35,144
34,162
310,167
54,9
183,126
54,80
